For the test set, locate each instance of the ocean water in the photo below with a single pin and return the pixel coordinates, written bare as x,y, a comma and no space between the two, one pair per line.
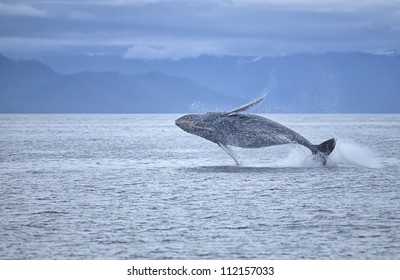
138,187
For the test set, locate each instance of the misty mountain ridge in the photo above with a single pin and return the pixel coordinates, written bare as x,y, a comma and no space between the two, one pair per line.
303,83
16,76
35,88
300,83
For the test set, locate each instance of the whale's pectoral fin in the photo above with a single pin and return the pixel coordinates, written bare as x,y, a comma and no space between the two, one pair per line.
230,153
244,107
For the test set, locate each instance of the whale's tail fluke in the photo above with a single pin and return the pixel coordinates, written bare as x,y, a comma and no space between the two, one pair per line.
325,149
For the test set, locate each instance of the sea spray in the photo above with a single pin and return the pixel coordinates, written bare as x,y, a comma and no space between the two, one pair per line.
298,157
346,153
349,153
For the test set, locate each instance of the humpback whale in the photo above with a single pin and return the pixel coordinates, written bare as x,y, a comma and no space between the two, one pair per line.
233,128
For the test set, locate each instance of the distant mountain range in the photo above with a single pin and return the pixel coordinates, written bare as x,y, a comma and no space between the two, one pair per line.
32,87
304,83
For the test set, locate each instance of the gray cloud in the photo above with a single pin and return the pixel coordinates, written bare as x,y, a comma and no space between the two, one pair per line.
176,28
20,9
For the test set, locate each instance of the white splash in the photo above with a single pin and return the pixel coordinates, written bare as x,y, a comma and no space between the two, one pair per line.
298,157
346,153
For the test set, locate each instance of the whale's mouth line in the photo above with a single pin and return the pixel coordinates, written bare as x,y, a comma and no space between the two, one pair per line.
191,125
203,128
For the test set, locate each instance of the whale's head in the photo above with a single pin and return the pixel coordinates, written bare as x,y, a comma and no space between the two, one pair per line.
197,124
190,123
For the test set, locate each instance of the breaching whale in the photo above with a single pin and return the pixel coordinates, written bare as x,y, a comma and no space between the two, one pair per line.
248,131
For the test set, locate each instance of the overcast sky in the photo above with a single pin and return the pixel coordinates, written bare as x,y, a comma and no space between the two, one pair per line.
176,28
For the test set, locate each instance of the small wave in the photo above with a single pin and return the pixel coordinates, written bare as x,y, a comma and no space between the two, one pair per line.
50,212
235,227
231,169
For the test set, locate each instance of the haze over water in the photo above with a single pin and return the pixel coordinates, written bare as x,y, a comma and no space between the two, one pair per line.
137,187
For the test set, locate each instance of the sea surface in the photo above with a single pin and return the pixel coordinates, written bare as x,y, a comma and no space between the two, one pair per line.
138,187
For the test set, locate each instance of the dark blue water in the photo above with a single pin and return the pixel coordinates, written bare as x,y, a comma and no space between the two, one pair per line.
138,187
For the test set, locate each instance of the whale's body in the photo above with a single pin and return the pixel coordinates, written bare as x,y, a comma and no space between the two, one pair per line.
247,131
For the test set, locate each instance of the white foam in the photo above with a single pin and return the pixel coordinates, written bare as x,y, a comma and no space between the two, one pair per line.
346,153
298,157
